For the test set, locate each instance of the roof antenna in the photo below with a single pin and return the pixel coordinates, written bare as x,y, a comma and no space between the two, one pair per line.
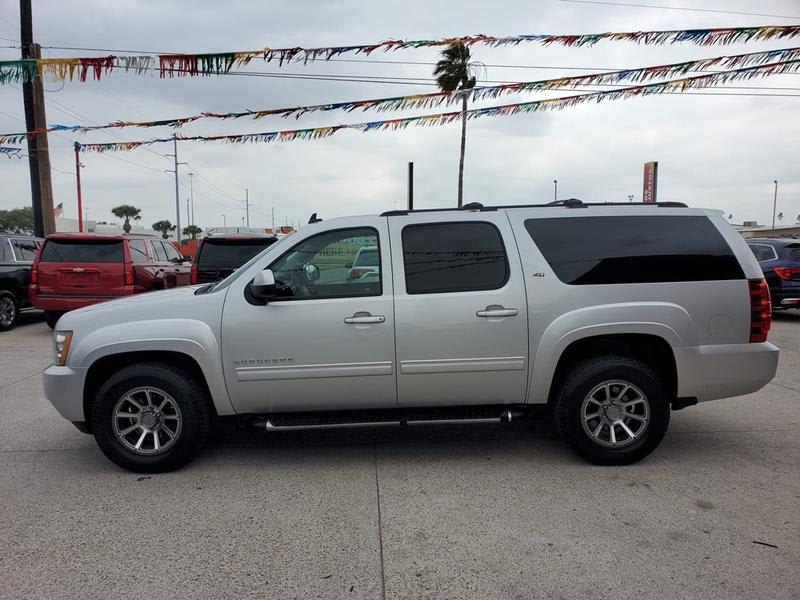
314,219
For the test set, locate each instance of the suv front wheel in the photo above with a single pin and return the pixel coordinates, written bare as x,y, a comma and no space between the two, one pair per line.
151,418
612,410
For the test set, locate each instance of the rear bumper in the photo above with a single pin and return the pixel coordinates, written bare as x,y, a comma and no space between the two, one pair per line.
63,387
65,303
786,298
725,370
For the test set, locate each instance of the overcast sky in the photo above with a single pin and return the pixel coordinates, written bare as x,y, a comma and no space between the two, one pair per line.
713,151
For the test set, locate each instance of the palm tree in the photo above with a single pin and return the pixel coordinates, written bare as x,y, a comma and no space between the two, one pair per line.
127,212
193,231
164,227
456,72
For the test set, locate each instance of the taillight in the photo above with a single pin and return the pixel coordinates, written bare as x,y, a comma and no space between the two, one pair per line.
787,272
195,274
35,273
130,274
760,310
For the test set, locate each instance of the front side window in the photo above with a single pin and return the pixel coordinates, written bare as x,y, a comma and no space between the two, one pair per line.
138,252
453,257
322,266
172,254
158,252
25,250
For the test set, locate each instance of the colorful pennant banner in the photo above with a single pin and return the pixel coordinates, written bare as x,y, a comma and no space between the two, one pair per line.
11,152
171,65
672,86
421,101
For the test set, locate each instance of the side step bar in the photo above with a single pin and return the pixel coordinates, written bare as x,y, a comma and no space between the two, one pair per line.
333,421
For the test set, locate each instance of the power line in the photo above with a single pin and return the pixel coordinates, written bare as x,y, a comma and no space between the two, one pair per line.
705,10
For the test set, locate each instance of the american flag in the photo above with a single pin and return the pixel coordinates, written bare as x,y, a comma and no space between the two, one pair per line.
58,211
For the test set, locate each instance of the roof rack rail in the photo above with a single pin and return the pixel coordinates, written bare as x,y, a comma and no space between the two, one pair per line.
568,203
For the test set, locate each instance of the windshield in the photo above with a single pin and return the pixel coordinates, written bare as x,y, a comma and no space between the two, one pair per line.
223,283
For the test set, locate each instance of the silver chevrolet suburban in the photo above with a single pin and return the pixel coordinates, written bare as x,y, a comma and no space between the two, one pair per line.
608,316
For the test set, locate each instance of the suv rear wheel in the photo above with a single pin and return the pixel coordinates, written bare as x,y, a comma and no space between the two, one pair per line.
612,410
9,311
151,418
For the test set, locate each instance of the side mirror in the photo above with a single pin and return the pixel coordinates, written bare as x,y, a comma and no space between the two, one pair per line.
311,272
187,258
348,265
263,286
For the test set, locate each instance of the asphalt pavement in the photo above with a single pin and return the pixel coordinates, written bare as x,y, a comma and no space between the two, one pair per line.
465,512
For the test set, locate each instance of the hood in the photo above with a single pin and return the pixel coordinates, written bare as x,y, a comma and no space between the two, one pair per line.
175,303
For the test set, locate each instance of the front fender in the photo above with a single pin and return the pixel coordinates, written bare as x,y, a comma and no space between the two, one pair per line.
186,336
665,320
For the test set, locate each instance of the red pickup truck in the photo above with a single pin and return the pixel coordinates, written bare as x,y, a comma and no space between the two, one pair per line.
75,270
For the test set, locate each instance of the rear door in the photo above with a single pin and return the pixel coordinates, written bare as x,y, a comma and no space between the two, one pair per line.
461,318
82,267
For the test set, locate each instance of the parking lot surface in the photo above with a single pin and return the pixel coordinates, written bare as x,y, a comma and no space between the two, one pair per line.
468,512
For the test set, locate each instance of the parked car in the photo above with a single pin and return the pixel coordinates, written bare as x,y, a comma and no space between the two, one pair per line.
76,270
366,263
220,255
608,315
780,261
16,256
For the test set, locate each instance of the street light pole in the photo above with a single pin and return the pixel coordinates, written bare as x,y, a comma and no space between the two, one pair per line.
177,197
224,222
555,190
191,195
774,203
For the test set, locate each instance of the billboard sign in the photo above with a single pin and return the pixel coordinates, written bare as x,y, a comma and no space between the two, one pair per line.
650,182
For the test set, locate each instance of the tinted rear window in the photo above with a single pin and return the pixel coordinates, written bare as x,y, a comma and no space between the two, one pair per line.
793,253
232,252
635,249
453,257
88,251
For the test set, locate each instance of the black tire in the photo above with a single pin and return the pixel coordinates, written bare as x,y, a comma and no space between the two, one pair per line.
191,398
578,384
51,317
9,311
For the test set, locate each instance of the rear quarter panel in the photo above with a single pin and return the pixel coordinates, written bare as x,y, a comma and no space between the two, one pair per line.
684,314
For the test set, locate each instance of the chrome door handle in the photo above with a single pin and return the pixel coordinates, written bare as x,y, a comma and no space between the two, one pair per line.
495,311
364,318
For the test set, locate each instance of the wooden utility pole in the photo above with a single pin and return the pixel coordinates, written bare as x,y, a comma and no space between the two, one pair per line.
38,150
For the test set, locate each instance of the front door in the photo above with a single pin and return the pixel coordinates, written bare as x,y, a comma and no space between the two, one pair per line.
460,310
328,341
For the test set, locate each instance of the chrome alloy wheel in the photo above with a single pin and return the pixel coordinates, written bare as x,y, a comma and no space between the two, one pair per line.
7,311
147,420
615,413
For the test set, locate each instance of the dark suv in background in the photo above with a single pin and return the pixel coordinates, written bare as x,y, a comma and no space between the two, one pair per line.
780,261
220,255
16,255
75,270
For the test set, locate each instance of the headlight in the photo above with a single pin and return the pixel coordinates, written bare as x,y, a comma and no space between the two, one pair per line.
61,340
